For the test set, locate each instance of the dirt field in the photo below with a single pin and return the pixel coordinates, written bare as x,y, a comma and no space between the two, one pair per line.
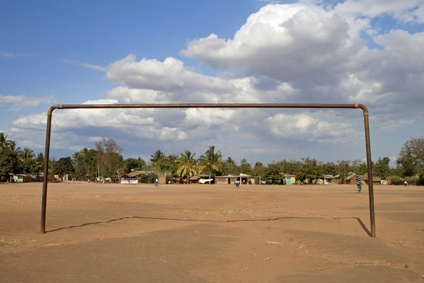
210,233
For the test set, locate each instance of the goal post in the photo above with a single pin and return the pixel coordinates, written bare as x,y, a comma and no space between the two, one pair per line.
209,105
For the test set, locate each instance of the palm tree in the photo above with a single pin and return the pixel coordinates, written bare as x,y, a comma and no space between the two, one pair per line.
3,141
211,161
9,161
39,163
230,161
230,166
186,164
26,156
156,157
12,146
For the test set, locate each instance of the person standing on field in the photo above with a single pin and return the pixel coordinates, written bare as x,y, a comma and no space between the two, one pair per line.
359,183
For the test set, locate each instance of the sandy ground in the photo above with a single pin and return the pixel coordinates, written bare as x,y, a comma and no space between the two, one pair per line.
210,233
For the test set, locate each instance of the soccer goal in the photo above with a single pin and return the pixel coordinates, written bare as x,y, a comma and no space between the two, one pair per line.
207,105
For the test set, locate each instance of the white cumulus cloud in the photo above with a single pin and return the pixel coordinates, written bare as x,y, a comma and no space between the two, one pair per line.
290,43
17,102
304,126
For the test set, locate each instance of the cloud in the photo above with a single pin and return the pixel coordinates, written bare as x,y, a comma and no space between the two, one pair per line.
292,43
407,11
8,54
76,127
168,76
390,80
17,102
320,54
152,81
85,65
304,126
208,117
284,53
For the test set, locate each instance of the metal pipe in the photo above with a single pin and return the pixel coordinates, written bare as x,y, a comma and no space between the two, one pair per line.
369,165
205,105
208,105
46,169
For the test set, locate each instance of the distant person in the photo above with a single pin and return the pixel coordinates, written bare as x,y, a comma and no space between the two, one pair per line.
359,183
237,183
156,182
405,183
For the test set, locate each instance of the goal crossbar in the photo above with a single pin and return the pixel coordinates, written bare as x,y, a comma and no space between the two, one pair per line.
209,105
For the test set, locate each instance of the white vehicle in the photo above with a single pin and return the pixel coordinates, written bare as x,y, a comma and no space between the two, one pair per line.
205,181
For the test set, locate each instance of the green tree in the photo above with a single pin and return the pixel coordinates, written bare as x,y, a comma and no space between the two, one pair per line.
168,165
109,158
135,164
39,163
3,141
359,167
272,172
328,168
309,170
156,157
64,166
52,167
343,169
381,168
9,161
26,157
85,163
211,161
259,170
229,166
245,167
411,157
186,164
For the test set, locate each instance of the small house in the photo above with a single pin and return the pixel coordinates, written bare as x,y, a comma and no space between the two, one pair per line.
132,177
351,179
375,180
289,179
228,179
328,179
231,179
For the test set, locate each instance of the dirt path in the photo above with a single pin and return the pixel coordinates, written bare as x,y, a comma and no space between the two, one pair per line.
210,233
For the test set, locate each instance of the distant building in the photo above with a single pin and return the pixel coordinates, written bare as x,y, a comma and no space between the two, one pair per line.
375,180
132,177
231,179
328,179
289,179
351,179
227,179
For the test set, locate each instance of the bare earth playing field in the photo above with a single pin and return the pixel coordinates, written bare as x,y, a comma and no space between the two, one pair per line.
210,233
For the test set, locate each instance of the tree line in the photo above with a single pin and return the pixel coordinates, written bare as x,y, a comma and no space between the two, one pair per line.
106,160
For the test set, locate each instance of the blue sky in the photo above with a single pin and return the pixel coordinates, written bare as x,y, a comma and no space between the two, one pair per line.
225,51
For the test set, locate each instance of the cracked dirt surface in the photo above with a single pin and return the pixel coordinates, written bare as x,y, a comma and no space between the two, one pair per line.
210,233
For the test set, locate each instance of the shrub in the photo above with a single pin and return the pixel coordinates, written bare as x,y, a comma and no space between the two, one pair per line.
420,181
149,178
396,180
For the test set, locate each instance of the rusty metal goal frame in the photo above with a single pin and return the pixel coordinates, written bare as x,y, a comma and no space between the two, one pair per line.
208,105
